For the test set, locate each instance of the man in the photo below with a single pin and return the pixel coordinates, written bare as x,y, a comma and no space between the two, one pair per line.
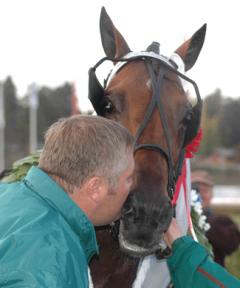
46,221
202,182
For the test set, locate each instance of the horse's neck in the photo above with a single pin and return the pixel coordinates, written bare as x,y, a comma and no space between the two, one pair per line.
108,269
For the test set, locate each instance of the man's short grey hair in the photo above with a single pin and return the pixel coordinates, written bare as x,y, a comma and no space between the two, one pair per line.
80,147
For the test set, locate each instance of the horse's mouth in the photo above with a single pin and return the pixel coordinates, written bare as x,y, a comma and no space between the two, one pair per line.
135,250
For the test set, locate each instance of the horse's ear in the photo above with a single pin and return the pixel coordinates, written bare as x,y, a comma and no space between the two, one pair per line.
113,42
190,49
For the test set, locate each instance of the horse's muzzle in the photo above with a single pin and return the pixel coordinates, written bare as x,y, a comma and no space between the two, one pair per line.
135,250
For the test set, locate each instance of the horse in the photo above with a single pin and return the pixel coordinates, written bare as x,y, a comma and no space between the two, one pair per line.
145,92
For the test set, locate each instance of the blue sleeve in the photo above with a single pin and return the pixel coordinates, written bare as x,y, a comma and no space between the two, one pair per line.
190,266
26,279
3,186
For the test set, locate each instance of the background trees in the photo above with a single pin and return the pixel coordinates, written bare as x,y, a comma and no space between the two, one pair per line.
53,104
220,122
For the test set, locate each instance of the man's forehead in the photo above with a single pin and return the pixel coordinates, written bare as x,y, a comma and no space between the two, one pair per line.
205,186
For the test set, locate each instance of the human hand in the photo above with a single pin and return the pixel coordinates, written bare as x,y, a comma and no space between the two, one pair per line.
172,233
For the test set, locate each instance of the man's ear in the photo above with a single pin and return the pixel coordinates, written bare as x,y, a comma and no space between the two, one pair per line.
96,189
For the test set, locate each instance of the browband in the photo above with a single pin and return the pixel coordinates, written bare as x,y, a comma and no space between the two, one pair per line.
175,61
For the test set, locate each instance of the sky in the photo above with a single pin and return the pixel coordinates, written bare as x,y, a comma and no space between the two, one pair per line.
50,42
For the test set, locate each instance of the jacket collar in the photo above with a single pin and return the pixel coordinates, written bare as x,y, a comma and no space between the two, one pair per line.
38,181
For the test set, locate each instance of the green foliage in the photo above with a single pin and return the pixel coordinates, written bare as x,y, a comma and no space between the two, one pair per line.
210,120
213,103
220,122
53,104
229,123
21,167
10,101
11,119
211,137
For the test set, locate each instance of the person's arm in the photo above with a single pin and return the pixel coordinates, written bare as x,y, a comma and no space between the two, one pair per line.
191,266
26,279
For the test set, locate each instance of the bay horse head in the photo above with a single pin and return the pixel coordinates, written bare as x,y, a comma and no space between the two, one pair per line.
145,93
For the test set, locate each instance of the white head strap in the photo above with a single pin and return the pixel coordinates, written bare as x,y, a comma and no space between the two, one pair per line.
179,62
174,58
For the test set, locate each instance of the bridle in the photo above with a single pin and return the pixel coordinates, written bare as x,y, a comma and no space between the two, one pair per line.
96,95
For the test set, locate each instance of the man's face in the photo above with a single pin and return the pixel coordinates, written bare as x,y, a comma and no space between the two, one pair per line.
206,193
110,208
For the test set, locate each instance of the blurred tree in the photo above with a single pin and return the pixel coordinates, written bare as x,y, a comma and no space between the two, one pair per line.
53,104
11,111
22,129
212,107
213,103
211,137
11,106
229,120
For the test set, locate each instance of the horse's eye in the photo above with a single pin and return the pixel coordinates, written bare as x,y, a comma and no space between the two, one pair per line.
185,122
188,117
108,106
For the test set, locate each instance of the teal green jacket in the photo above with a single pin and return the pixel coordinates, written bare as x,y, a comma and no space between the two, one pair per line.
191,267
45,239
